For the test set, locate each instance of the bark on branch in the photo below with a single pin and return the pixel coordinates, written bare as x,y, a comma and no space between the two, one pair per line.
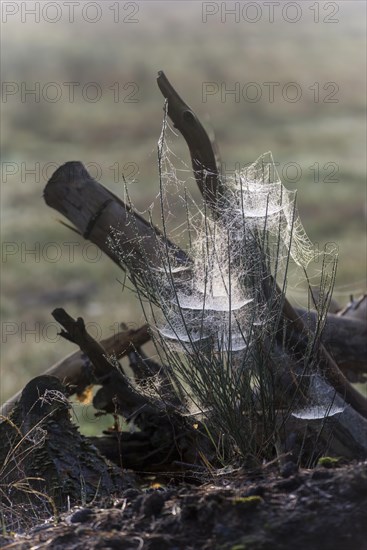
97,214
202,155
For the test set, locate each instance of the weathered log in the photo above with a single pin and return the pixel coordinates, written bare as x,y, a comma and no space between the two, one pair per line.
103,218
346,339
149,451
325,362
165,435
342,433
46,464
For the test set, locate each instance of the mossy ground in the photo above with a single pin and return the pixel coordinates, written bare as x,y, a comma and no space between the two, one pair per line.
321,509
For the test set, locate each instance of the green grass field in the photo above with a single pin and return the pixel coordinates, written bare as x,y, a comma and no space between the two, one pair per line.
319,141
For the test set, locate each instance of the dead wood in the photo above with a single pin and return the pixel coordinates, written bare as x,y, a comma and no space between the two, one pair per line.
346,339
171,435
139,451
87,203
128,400
46,464
104,219
166,436
95,211
75,370
202,155
306,440
341,434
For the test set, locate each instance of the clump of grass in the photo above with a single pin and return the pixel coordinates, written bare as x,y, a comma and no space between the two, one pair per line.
329,461
23,505
216,311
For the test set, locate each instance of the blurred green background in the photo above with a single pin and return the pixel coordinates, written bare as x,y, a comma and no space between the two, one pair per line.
114,120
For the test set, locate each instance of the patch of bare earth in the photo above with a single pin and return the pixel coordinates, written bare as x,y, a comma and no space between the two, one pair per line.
309,509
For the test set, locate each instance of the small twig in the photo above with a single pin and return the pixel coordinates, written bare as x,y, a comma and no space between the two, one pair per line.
75,331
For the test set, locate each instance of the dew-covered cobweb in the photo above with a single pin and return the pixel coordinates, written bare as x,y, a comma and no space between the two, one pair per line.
214,310
215,296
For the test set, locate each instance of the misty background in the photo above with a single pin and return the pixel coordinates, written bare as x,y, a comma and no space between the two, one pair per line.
95,99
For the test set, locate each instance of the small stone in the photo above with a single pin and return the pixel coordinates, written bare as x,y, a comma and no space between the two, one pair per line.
288,469
81,516
153,504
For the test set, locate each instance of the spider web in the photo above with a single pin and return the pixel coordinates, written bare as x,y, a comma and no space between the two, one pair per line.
216,295
214,309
